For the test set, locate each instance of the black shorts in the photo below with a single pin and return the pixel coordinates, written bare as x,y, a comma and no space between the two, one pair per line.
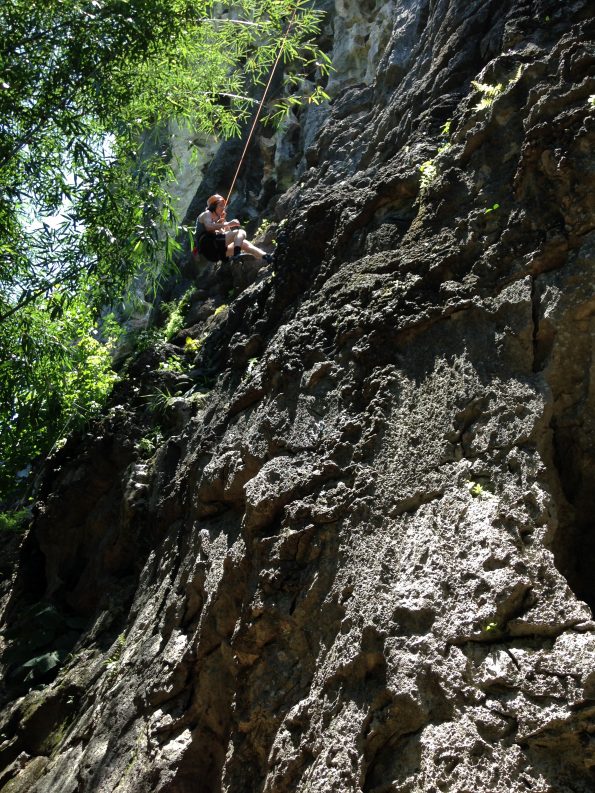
212,246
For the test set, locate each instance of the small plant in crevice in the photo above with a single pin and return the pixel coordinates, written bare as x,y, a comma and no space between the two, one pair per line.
112,663
145,339
429,168
14,521
199,398
517,75
175,320
172,364
477,490
493,208
262,228
429,171
175,311
491,92
445,135
192,346
220,309
488,92
491,629
158,401
147,446
250,367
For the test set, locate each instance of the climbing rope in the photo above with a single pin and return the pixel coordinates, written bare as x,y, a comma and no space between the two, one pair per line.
260,106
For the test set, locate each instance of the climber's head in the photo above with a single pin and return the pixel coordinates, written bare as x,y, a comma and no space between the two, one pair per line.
215,201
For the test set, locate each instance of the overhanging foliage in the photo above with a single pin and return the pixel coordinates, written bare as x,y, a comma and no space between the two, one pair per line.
83,206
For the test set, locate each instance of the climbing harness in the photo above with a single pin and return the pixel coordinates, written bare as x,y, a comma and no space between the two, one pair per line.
260,106
211,245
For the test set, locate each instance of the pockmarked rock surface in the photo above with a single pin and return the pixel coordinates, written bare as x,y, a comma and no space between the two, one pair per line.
357,553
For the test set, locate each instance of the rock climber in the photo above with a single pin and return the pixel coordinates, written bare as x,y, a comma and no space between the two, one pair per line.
220,239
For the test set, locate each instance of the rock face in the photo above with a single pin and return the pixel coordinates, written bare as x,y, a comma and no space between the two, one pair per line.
358,554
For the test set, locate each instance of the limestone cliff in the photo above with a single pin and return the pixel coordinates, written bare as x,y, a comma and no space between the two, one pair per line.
356,552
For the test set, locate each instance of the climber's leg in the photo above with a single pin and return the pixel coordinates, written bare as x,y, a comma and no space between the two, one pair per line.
237,242
234,239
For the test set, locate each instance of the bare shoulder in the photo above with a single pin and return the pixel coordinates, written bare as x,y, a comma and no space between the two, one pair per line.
206,220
